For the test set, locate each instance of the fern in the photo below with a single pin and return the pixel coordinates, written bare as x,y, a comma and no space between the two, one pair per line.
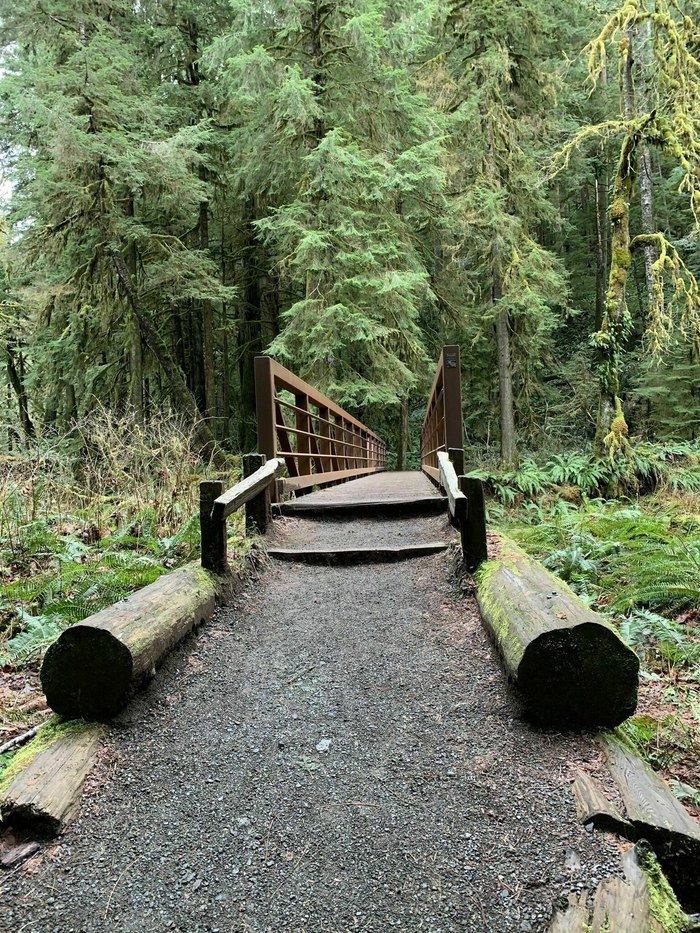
38,632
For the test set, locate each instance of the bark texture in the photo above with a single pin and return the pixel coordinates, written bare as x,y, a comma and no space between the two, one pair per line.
572,668
93,667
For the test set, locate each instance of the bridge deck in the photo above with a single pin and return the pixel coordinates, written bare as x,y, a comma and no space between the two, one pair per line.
375,488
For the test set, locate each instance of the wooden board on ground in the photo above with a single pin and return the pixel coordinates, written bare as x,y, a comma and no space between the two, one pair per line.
592,806
45,783
658,816
91,670
570,665
642,902
357,555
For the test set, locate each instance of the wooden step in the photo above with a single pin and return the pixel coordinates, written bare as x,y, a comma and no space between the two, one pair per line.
356,555
415,505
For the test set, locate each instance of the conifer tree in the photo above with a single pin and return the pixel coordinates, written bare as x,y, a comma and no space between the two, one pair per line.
672,126
343,156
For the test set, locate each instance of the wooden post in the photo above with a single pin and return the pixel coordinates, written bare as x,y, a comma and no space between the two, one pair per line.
214,556
258,511
456,455
452,397
474,528
265,406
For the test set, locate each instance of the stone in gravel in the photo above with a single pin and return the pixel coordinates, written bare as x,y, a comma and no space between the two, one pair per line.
324,745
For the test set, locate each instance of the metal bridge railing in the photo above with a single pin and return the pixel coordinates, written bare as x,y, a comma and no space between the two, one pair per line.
318,440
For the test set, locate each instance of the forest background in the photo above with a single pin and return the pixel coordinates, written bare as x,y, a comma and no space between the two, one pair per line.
349,186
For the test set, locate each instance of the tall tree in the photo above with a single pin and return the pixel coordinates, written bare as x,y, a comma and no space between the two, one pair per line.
673,127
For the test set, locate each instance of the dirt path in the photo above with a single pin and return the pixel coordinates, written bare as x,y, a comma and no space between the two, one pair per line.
338,752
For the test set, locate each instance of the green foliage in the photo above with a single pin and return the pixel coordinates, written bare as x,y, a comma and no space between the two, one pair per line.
574,476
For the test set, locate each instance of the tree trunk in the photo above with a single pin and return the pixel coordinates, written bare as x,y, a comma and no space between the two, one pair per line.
509,449
404,439
15,373
642,38
601,216
208,337
571,667
135,341
178,386
249,332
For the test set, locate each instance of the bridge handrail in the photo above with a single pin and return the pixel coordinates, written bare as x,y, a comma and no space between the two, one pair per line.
442,424
324,443
215,506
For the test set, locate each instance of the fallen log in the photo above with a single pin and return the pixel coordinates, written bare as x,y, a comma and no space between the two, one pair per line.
642,902
92,669
657,816
570,665
592,806
41,788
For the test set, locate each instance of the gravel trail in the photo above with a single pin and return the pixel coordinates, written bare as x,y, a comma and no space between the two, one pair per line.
338,751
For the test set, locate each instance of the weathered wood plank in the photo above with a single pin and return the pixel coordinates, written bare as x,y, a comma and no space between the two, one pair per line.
456,499
93,667
248,488
642,902
356,555
659,817
592,806
572,668
45,784
574,919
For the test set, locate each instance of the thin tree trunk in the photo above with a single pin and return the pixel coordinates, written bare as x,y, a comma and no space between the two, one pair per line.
249,332
404,439
601,216
642,36
15,373
135,342
185,399
208,339
509,448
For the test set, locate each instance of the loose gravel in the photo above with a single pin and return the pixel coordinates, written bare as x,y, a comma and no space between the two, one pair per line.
339,751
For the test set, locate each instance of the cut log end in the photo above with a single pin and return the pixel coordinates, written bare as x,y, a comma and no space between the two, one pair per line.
572,668
87,673
583,676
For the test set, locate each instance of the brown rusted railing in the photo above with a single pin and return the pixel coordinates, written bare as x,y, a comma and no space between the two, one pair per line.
319,442
442,425
442,458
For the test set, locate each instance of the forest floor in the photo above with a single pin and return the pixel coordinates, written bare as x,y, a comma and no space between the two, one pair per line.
339,750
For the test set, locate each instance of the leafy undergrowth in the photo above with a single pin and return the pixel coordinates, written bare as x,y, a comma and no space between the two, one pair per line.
639,563
85,521
665,468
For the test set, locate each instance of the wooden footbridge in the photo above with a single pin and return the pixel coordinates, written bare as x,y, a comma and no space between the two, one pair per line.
315,458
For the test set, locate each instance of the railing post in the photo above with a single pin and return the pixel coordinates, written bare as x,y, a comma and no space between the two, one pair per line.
214,556
265,406
452,395
258,512
473,530
456,455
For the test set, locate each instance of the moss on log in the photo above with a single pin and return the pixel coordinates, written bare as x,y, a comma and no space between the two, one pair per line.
93,667
642,902
657,816
571,667
42,786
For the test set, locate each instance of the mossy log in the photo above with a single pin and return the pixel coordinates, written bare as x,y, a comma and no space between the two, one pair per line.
571,667
642,902
657,816
92,669
41,789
